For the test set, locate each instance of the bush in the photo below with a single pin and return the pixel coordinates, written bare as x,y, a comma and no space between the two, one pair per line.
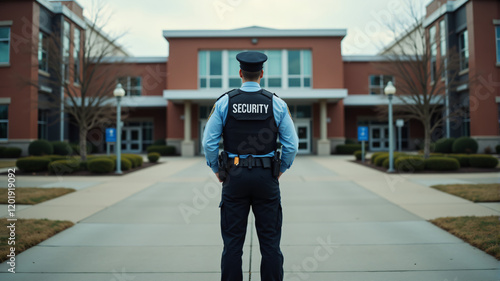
154,156
380,159
465,145
61,167
385,164
136,159
497,148
442,164
346,148
100,165
75,148
82,166
61,148
40,147
463,159
483,161
160,142
163,150
444,145
350,141
33,164
126,164
409,163
57,157
10,152
358,153
375,155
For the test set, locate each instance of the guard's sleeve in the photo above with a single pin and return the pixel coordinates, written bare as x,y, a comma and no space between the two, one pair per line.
213,133
287,134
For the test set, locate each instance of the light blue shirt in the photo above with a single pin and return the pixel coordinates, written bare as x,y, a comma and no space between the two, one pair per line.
217,120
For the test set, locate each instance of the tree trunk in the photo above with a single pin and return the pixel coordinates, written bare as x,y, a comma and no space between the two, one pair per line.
83,143
427,139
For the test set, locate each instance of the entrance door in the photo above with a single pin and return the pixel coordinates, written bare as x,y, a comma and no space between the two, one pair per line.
379,137
132,140
303,129
203,123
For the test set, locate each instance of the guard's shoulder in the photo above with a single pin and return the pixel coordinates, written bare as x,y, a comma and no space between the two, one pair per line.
269,94
226,93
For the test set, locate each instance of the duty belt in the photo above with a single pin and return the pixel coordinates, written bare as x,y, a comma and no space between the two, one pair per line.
264,162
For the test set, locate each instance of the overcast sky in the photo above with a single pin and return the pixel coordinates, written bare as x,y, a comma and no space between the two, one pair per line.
144,20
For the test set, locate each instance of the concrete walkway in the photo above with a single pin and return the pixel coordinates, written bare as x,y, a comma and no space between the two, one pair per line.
342,221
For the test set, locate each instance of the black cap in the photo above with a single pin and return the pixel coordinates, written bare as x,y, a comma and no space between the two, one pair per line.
251,61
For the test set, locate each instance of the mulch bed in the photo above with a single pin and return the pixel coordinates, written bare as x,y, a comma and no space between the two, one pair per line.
145,165
459,171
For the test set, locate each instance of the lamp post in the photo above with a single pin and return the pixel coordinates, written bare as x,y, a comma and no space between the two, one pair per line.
389,91
119,92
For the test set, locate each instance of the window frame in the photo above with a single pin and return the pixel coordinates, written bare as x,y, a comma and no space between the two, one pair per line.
497,41
381,86
8,40
433,51
42,124
42,37
463,49
6,121
76,55
127,86
66,54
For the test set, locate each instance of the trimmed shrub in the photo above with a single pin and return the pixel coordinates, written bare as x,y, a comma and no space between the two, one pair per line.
442,164
497,148
463,159
61,148
165,150
346,148
82,166
40,147
385,164
375,155
61,167
444,145
10,152
358,153
154,156
465,145
126,164
57,157
160,142
483,161
136,159
380,159
409,163
75,148
33,164
100,165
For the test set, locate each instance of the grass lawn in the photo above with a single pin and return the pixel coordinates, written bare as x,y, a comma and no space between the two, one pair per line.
29,232
7,163
34,195
473,192
480,232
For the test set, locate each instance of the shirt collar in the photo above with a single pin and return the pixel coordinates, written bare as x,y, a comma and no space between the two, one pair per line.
250,87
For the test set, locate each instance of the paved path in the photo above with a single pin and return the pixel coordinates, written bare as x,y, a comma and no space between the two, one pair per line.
341,222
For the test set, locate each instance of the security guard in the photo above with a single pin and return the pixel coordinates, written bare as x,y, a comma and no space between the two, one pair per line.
250,119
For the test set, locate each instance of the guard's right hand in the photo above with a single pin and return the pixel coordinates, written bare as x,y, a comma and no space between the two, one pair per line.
217,175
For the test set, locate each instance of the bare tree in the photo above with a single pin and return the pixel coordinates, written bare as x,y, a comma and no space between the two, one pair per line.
422,80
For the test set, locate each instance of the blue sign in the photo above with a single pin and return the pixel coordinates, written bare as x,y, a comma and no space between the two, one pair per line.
110,134
362,133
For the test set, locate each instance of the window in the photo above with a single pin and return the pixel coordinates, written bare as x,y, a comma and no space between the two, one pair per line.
76,55
378,83
66,43
131,85
234,68
43,51
4,44
299,68
433,46
4,121
497,33
442,37
463,48
272,70
210,69
42,124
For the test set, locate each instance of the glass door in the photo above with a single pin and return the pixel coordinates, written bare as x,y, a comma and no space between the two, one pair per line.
379,137
303,129
132,140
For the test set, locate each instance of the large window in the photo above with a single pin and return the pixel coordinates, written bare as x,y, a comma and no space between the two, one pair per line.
497,36
283,69
76,55
463,47
433,47
4,44
131,85
4,121
43,51
378,83
442,37
66,43
43,120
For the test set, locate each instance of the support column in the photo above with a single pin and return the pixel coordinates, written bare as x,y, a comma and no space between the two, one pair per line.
323,142
187,145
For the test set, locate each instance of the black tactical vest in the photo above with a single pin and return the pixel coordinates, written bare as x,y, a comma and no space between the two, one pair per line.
250,125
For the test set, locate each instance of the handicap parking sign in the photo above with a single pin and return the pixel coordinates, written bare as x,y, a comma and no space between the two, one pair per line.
362,133
110,134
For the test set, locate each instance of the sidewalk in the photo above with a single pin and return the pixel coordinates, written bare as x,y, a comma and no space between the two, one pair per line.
342,221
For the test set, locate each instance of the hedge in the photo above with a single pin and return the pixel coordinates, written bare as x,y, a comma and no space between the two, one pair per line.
442,164
61,167
380,159
358,153
160,142
100,165
409,163
33,164
61,148
463,159
136,159
154,156
350,141
10,152
347,148
444,145
375,155
56,157
40,147
483,161
164,150
465,145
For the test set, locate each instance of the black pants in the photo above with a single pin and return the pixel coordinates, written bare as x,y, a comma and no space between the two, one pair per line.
243,188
